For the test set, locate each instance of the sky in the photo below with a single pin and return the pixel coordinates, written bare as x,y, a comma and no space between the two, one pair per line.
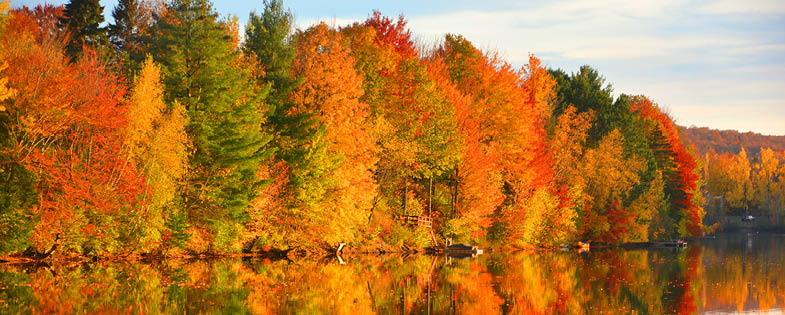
717,64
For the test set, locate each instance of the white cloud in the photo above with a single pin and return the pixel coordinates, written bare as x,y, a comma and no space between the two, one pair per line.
747,6
699,60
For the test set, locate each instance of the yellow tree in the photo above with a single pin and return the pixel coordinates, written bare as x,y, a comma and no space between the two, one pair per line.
764,180
566,144
779,187
608,176
740,190
155,139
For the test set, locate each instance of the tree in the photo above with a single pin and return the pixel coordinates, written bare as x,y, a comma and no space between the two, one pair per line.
155,140
66,132
765,178
82,19
210,78
17,192
329,89
608,178
267,37
479,178
132,20
415,121
682,173
510,108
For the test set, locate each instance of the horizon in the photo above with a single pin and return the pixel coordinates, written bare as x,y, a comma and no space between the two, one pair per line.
706,63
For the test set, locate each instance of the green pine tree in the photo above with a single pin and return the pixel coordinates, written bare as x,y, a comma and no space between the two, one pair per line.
132,19
269,38
82,19
205,73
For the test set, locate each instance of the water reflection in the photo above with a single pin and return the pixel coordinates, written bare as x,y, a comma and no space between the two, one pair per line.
734,272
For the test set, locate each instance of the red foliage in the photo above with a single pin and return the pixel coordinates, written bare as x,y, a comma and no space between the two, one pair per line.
685,164
40,22
71,119
391,33
618,219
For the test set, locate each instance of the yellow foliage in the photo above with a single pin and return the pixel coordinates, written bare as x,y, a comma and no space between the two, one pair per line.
5,91
156,141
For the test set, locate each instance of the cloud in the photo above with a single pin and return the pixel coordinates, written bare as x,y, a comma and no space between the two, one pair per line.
744,7
717,64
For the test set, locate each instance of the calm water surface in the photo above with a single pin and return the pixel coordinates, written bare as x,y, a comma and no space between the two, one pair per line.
732,273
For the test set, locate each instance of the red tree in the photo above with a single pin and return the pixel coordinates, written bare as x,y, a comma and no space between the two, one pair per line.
686,181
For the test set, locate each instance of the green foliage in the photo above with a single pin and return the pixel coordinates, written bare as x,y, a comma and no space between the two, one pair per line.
176,234
207,75
267,36
17,196
132,20
409,237
586,90
83,20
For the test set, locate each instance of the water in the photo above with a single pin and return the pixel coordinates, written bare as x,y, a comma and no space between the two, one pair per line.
731,273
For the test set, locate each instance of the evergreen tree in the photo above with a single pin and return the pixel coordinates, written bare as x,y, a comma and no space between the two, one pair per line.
132,19
205,73
268,37
82,19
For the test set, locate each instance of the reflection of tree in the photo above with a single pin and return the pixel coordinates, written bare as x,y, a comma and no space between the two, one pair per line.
737,277
728,276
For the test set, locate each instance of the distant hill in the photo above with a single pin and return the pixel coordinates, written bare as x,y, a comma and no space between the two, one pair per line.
731,141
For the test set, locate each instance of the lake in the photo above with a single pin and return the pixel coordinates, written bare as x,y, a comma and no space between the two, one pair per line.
733,272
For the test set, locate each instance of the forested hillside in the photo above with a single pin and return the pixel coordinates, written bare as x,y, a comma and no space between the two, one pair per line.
168,133
731,141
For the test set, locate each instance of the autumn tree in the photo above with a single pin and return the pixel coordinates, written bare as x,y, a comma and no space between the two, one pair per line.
17,193
334,195
765,181
739,194
608,176
67,133
206,74
155,140
479,186
268,38
510,107
681,171
414,120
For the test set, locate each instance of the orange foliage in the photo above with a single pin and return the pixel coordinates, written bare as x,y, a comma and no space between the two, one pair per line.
329,88
69,132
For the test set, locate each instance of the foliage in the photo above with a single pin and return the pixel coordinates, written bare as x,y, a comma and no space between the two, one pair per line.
206,75
315,137
155,140
128,32
82,20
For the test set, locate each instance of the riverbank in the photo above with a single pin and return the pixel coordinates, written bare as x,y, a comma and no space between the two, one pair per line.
313,254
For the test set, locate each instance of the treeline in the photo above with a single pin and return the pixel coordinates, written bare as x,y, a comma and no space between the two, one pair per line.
731,141
168,131
738,184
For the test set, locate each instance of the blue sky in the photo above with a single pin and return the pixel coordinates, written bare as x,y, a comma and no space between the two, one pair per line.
719,64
